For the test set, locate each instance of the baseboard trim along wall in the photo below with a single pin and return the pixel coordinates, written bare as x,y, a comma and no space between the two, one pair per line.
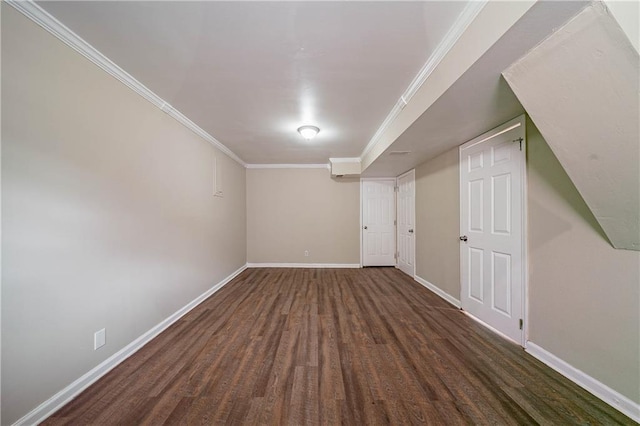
490,328
455,302
597,388
54,403
304,265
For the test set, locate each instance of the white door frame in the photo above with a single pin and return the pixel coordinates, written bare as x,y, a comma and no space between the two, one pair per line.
362,180
413,240
510,125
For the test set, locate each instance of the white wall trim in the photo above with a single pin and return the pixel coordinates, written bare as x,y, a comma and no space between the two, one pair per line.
597,388
361,219
446,296
345,160
463,21
362,181
374,179
304,265
411,173
487,326
401,175
525,235
41,17
465,18
515,123
287,166
54,403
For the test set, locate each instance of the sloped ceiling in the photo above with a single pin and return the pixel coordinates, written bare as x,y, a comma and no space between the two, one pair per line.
581,89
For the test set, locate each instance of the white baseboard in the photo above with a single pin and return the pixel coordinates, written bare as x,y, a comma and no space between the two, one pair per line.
599,389
44,410
490,328
303,265
455,302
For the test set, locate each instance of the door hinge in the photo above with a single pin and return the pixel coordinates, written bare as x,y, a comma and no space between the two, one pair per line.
395,222
396,189
521,323
519,140
395,255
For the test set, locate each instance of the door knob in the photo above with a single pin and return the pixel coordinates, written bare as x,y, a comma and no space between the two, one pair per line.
411,231
365,227
463,238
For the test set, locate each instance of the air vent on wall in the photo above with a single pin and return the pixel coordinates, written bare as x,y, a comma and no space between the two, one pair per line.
399,152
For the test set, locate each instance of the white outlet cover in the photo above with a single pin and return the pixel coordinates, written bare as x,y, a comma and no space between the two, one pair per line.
99,339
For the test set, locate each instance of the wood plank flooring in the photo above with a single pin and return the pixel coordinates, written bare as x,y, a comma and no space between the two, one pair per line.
331,346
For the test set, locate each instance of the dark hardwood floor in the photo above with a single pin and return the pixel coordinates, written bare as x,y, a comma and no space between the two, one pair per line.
331,346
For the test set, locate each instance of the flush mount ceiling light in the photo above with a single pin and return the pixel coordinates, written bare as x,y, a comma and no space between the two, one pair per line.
308,132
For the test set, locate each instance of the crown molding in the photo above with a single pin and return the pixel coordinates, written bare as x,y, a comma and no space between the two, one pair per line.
393,114
345,160
465,18
468,14
41,17
287,166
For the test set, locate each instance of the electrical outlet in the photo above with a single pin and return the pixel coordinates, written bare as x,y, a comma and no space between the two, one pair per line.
99,339
306,253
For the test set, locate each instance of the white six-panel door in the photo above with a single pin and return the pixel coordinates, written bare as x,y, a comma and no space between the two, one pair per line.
406,223
491,227
378,216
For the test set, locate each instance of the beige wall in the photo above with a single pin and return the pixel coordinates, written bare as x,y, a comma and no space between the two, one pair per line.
108,217
584,295
438,222
108,221
293,210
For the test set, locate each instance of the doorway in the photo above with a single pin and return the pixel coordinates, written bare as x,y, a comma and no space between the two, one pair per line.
406,223
378,222
492,261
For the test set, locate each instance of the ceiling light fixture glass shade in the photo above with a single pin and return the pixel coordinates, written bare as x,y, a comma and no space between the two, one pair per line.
308,132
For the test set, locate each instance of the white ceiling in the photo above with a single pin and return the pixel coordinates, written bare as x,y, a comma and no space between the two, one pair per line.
250,73
480,99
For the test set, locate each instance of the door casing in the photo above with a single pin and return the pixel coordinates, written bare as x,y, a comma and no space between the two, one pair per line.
362,224
412,174
508,126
